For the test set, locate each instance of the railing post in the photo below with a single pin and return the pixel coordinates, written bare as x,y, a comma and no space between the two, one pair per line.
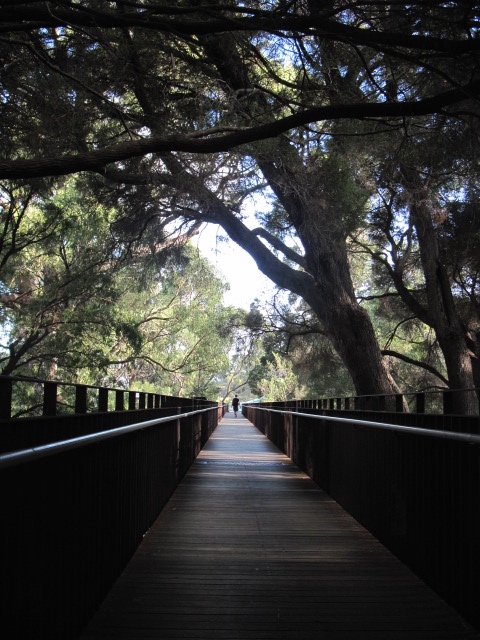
132,396
150,398
420,402
447,397
119,406
347,404
49,398
80,398
141,400
103,399
399,402
6,387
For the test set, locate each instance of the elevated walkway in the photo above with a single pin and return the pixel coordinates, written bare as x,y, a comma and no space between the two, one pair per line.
249,548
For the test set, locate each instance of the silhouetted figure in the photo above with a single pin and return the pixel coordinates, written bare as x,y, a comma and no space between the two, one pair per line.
235,403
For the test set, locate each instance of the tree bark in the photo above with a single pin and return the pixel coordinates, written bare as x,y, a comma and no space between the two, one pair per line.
325,284
320,228
441,305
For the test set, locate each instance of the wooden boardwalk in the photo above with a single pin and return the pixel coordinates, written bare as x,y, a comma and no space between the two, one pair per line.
249,548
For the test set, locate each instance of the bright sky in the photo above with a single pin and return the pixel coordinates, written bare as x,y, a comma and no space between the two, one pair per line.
236,266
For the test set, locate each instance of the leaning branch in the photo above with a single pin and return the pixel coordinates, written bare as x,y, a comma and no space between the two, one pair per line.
277,244
416,363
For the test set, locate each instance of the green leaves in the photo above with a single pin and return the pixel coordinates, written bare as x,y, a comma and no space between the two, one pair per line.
81,304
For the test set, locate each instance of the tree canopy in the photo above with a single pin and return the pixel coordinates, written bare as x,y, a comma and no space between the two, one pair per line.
357,120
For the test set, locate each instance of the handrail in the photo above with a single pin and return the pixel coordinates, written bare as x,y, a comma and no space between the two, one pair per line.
42,451
441,401
471,438
80,402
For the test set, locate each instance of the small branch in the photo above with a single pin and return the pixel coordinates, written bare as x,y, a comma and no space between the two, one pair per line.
280,246
415,363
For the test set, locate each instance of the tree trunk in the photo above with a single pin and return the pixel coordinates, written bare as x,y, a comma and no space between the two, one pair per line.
320,228
326,285
443,315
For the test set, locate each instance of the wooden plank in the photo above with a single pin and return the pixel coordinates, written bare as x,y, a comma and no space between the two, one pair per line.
249,548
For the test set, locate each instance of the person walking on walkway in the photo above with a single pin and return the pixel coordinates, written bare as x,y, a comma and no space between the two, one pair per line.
235,402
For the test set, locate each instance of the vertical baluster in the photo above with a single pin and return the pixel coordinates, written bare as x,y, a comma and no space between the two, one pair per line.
119,406
420,402
6,387
80,398
399,402
103,399
132,397
49,398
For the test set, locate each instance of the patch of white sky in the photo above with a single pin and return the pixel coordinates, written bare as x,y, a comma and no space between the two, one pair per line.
239,270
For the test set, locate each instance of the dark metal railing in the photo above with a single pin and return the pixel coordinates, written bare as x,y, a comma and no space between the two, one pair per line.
30,397
31,454
416,489
438,401
78,493
469,438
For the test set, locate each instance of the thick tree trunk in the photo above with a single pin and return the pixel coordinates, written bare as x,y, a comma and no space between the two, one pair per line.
326,283
441,305
346,323
331,296
320,228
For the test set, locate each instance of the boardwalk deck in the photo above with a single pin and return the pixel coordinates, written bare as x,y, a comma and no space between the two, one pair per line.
249,548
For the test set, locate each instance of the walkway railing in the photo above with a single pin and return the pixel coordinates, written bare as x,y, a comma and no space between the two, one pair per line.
416,489
436,401
76,507
29,397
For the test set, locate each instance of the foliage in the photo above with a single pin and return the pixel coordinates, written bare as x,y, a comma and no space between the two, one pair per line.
279,382
82,303
292,335
245,330
179,322
355,119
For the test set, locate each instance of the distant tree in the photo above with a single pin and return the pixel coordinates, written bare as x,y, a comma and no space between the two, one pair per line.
279,381
245,330
86,298
178,321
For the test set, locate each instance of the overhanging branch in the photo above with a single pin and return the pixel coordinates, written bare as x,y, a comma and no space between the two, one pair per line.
98,159
416,363
37,15
277,244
